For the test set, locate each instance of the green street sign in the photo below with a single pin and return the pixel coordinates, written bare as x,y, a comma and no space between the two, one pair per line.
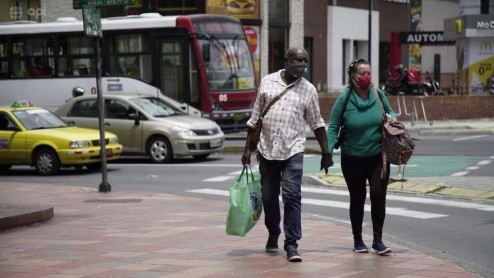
78,4
92,21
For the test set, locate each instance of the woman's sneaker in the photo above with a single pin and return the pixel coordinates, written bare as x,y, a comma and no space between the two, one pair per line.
380,248
359,247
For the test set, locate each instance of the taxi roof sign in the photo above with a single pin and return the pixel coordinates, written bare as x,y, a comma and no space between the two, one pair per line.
21,103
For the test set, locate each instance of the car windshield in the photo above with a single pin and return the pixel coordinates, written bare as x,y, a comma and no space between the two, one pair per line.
38,119
156,107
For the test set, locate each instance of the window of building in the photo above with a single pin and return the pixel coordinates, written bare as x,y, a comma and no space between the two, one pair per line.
279,25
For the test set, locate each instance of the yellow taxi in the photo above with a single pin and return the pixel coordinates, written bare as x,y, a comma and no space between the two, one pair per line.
36,136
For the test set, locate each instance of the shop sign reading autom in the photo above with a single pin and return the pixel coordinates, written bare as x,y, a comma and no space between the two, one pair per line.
423,38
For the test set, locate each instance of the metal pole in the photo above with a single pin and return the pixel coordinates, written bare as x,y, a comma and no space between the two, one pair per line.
370,33
104,186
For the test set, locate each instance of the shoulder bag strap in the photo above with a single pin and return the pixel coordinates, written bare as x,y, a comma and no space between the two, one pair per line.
278,97
385,160
348,95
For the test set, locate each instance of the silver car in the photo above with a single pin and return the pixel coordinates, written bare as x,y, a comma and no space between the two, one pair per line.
147,125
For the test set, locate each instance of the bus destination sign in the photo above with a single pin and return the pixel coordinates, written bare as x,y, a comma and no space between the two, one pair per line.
78,4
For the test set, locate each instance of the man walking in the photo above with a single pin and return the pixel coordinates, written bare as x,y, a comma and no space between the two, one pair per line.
282,144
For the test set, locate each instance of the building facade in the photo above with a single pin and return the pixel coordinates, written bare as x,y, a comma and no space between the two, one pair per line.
334,32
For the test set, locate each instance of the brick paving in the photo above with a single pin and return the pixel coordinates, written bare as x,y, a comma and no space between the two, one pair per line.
142,234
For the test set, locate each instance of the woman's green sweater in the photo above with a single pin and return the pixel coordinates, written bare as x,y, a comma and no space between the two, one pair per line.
362,120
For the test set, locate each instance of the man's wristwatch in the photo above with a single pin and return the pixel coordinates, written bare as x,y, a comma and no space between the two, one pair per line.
327,154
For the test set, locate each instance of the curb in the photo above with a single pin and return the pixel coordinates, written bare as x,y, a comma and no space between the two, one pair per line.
14,216
398,186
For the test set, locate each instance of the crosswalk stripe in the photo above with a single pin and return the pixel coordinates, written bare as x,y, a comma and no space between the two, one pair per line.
420,200
337,204
219,178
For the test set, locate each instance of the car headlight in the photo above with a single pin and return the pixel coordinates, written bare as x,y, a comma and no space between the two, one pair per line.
182,131
113,140
79,144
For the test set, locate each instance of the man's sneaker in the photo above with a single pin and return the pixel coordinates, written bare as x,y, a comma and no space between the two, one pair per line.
292,254
359,247
380,248
272,244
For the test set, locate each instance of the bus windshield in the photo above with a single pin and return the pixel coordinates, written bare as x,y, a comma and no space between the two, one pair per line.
230,67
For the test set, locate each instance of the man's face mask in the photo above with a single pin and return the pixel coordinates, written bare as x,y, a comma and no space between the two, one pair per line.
295,69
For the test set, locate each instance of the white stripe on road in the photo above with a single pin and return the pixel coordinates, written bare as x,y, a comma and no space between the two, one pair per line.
459,174
338,204
469,137
420,200
177,165
389,210
219,178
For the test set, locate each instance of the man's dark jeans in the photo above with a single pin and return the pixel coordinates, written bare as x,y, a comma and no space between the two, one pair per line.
287,175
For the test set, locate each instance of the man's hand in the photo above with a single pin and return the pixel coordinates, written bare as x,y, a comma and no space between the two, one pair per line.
246,157
326,162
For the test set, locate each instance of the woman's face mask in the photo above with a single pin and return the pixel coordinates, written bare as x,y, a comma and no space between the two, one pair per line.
363,81
295,69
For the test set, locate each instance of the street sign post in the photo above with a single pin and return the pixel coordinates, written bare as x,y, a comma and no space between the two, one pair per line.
78,4
92,21
92,28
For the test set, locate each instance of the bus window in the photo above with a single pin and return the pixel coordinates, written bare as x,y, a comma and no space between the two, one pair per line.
195,91
33,57
129,54
172,70
3,59
76,57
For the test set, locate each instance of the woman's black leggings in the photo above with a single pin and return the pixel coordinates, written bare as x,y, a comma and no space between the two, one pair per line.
358,170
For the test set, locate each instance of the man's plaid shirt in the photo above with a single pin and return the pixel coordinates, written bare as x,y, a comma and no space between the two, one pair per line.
283,127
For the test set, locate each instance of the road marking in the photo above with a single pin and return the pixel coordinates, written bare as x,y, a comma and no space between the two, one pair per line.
459,174
176,165
483,162
468,138
337,204
219,178
430,201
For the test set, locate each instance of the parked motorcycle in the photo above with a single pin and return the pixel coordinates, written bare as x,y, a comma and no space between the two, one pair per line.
431,86
409,82
394,87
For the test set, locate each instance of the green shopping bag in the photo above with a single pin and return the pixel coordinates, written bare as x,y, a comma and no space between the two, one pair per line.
245,203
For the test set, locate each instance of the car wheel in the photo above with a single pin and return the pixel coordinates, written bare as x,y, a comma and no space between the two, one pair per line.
201,157
159,150
46,162
5,167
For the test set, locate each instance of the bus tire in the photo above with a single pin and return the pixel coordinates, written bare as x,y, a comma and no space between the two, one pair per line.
159,150
46,162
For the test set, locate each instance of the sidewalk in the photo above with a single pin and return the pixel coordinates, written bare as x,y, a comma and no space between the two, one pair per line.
141,234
